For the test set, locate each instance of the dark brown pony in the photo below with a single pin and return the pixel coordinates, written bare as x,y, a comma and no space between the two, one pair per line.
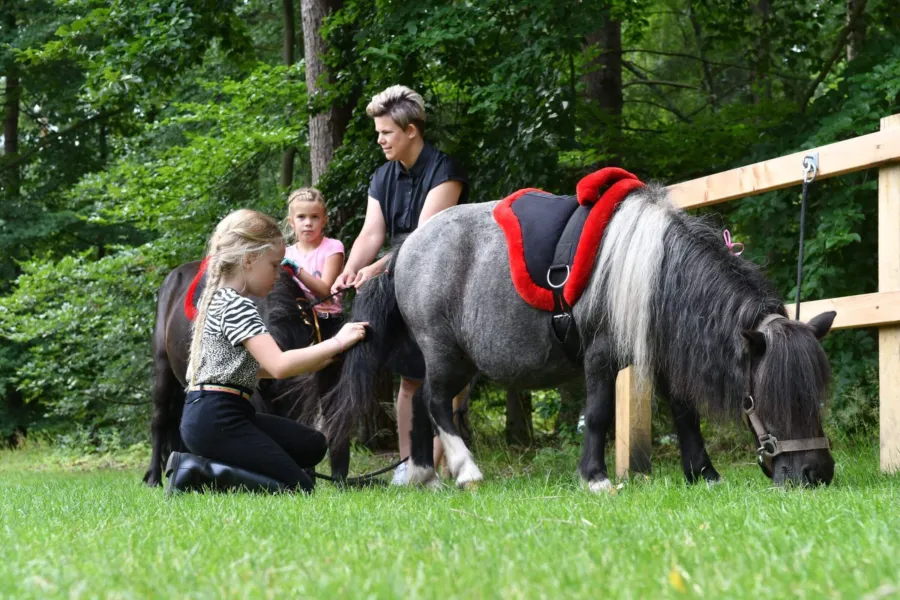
294,398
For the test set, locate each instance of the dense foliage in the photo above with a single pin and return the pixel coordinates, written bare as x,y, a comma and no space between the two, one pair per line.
139,124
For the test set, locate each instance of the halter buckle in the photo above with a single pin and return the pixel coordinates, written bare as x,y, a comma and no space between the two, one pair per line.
768,446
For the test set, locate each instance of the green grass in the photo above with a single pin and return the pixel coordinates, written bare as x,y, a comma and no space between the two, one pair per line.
529,532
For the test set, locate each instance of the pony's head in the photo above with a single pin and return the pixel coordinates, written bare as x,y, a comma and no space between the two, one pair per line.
786,381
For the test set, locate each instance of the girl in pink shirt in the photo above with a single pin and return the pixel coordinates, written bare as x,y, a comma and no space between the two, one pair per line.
318,259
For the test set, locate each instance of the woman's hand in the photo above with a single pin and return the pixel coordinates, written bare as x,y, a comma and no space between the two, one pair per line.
343,281
350,334
365,274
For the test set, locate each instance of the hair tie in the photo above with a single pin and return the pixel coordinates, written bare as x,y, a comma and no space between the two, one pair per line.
732,245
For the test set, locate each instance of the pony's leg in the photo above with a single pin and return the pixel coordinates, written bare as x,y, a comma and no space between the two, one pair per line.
447,374
421,459
168,403
695,461
439,392
599,416
339,458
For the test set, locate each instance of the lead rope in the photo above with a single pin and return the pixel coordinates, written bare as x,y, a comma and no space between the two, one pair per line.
810,170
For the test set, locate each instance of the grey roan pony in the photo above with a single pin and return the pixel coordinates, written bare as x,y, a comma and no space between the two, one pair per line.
666,296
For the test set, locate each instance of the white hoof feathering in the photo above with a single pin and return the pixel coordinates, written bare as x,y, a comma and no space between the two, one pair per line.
600,485
459,460
422,475
468,475
401,475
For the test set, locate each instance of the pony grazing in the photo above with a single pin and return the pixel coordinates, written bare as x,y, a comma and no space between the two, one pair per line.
295,398
661,293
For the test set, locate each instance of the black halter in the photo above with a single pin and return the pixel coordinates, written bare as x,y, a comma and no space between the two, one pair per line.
769,445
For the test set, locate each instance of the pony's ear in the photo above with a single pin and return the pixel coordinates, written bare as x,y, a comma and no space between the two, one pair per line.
754,342
822,323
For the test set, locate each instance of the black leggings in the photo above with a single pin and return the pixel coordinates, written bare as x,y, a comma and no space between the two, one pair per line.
226,428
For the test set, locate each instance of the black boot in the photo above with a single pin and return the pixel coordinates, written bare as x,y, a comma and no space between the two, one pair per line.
186,472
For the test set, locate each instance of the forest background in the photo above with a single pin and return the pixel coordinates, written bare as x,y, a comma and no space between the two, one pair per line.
131,126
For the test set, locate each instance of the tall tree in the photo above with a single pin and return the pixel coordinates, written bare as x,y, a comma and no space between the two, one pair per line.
12,96
762,83
519,425
857,35
603,79
327,125
290,41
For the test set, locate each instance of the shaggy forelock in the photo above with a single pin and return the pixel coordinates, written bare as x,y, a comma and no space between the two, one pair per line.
792,378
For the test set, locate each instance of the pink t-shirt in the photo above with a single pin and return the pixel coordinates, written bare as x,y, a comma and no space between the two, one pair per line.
313,262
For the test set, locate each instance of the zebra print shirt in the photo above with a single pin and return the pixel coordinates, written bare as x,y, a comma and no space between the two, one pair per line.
230,320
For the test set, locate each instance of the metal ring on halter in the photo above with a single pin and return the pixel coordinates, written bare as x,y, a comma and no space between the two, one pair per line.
551,269
748,407
810,164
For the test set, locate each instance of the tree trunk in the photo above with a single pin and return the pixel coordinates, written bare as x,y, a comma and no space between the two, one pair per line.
570,406
762,83
603,82
857,36
519,428
326,129
701,52
13,93
290,42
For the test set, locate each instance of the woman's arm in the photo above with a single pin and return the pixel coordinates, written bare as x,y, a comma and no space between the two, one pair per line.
366,246
442,197
281,364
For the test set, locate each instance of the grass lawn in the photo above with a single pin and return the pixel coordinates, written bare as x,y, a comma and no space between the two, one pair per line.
72,530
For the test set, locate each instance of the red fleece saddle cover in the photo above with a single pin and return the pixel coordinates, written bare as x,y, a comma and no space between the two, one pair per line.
553,240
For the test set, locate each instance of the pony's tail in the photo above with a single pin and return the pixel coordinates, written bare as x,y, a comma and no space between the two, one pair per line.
354,394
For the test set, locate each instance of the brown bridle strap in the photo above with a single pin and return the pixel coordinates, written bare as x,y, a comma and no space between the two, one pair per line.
769,446
302,304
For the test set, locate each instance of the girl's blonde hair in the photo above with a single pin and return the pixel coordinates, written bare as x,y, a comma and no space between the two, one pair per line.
243,234
309,194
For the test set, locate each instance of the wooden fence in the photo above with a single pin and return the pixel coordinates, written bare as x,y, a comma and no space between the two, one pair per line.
882,309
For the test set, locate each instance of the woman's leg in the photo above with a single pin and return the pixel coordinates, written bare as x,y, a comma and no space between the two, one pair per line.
408,387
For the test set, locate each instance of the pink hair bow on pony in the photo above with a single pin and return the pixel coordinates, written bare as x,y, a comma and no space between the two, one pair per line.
732,245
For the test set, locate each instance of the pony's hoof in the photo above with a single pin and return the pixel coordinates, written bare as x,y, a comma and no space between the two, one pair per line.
424,476
469,486
469,476
600,486
152,479
707,474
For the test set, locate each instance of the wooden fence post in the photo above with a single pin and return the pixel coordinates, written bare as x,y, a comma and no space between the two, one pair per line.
633,410
889,280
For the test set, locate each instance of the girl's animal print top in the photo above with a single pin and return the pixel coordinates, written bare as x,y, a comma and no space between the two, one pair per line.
224,360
